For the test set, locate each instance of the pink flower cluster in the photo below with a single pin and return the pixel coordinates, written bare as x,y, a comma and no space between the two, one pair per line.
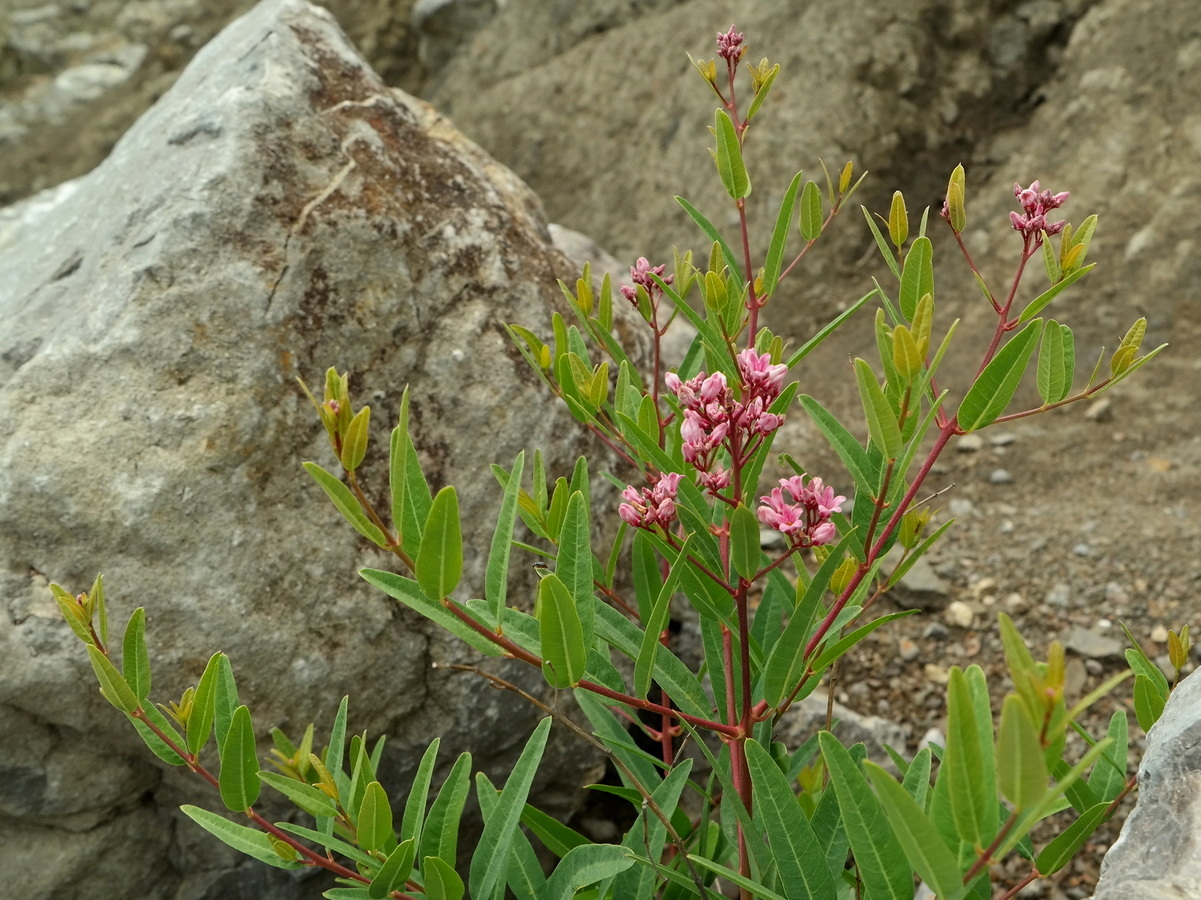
640,274
729,45
1037,203
805,520
714,418
651,506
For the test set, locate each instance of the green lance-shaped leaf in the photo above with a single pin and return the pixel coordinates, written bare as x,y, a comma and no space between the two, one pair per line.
853,456
890,258
1109,777
956,190
564,653
988,397
1148,702
305,796
135,660
354,443
1021,770
204,705
442,882
917,276
156,744
799,856
1039,303
1065,846
779,238
585,865
113,686
242,838
906,358
973,799
811,211
898,219
730,166
491,858
1127,352
761,92
920,841
73,612
239,777
644,666
745,553
879,856
496,577
649,834
711,232
346,503
440,837
881,420
410,492
574,562
395,870
375,818
439,564
411,595
1056,362
413,821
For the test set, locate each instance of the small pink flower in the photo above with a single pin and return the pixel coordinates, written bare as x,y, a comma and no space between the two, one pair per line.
729,45
760,377
1036,203
640,274
805,520
655,505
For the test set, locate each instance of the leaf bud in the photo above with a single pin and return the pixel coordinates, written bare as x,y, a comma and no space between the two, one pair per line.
842,576
913,523
954,210
898,219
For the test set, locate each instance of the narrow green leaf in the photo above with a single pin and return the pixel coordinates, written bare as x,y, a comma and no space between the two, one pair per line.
811,211
574,561
585,865
204,705
73,613
440,837
1148,704
156,744
395,870
226,699
564,653
613,734
1039,303
764,89
113,686
730,166
917,776
407,591
745,553
644,665
1021,771
558,838
490,861
251,841
843,644
496,578
410,492
414,813
332,758
1141,664
1065,846
649,834
239,778
714,235
827,330
881,420
354,442
305,796
779,238
917,276
755,889
346,503
853,456
375,818
921,843
135,660
337,845
878,854
442,882
439,565
890,258
988,397
1109,777
801,860
973,802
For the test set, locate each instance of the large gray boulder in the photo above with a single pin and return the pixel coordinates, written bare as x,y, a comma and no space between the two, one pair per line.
1158,856
280,210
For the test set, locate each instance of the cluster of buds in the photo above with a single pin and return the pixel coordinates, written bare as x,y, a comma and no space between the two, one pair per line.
655,505
806,520
729,46
1037,203
640,274
714,418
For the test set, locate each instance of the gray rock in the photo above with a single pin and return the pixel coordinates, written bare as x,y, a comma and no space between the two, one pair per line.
278,211
444,25
1157,855
1091,645
920,587
1000,476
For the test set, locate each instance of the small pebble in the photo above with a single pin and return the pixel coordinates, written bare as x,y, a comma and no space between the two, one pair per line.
1159,634
1000,476
933,736
970,443
982,586
961,507
883,707
770,539
1093,667
1016,603
1002,439
1082,550
959,614
908,649
938,675
1058,596
938,631
1099,410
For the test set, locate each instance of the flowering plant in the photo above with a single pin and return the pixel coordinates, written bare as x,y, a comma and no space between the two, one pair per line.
692,439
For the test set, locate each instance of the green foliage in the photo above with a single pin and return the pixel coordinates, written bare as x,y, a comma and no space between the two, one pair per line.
821,821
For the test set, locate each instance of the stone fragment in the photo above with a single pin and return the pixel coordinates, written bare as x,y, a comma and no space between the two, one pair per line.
1000,476
1090,644
970,443
920,587
1100,410
959,614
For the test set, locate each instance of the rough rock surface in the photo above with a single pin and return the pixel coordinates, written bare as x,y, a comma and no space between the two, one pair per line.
1156,857
278,211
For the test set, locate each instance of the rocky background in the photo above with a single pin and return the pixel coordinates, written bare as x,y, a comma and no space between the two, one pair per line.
169,300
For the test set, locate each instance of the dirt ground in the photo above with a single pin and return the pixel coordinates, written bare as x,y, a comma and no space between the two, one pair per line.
1075,523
